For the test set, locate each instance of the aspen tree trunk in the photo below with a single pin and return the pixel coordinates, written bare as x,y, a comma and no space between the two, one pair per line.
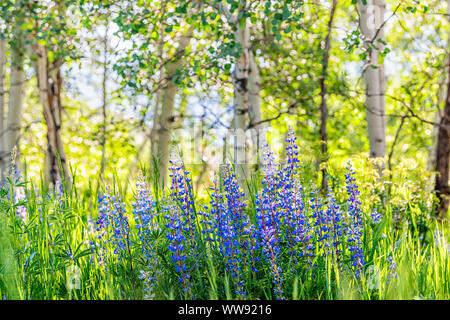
379,20
254,109
375,114
225,141
56,86
323,96
154,130
16,91
50,83
443,158
241,99
154,137
246,83
156,115
168,101
104,103
3,152
441,97
443,151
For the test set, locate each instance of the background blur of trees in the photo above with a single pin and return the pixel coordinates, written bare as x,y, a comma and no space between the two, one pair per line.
90,89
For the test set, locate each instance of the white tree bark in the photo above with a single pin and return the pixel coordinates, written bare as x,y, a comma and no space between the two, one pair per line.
168,103
154,137
3,152
254,109
104,102
241,101
154,129
49,82
371,20
381,5
247,98
14,121
16,91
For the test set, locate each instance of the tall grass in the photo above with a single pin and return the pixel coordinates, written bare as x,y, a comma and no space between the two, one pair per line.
11,287
406,254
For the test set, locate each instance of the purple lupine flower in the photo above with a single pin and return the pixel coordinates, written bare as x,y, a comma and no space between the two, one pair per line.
15,189
181,216
120,239
145,223
58,189
268,199
233,196
272,252
270,215
296,222
321,223
376,217
112,226
178,244
181,195
291,153
392,269
148,278
290,193
354,230
439,239
334,213
296,226
353,193
233,229
21,210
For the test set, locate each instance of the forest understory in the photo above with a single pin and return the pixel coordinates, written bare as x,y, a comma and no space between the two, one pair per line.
224,150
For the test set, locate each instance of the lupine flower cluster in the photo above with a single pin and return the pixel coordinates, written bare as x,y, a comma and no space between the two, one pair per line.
392,269
181,217
269,218
376,216
13,184
112,226
337,223
355,227
146,224
59,190
232,231
285,229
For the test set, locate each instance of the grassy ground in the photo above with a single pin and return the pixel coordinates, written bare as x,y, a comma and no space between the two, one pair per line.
217,244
